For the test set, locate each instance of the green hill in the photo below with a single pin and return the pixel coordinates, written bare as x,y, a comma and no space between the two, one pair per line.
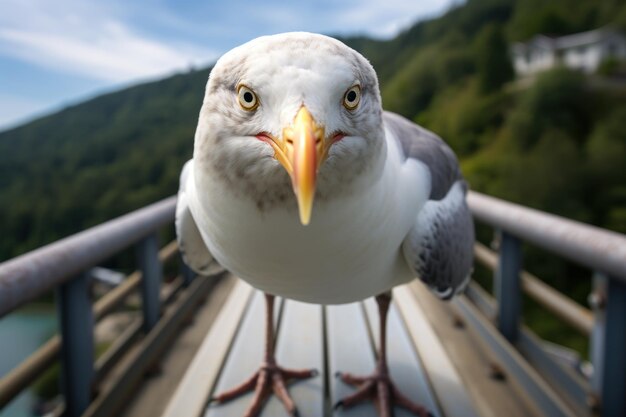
95,160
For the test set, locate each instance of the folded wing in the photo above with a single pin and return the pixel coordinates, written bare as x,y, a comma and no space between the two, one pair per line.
439,247
190,244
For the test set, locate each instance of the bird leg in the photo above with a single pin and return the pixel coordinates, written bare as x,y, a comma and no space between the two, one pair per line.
270,377
378,386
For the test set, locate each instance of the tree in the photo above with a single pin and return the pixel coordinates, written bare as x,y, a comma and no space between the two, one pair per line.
558,99
492,59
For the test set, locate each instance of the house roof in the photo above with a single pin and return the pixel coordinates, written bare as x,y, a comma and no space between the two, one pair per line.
567,41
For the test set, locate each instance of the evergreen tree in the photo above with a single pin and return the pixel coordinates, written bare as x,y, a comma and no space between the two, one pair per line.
492,59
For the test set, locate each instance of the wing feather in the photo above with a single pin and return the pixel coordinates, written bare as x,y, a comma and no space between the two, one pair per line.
423,145
439,246
190,243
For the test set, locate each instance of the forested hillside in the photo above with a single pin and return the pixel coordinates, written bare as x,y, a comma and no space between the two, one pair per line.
96,160
557,144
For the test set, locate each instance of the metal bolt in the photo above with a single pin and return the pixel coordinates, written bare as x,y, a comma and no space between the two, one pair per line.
594,403
596,300
457,321
497,372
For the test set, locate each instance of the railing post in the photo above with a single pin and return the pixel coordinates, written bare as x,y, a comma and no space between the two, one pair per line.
152,275
608,345
76,323
507,286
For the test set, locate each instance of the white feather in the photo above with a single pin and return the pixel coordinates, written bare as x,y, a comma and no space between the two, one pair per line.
190,242
350,250
352,247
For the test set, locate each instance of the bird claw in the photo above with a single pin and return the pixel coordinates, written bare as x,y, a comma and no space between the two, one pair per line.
381,389
270,378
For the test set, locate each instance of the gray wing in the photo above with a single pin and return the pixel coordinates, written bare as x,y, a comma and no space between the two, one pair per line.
423,145
190,243
439,246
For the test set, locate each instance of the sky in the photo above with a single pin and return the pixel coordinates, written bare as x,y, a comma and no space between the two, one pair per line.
57,52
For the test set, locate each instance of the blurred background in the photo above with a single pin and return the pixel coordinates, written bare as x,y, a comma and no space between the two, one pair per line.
99,103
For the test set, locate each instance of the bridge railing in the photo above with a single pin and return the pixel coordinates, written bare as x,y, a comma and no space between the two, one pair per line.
63,267
603,252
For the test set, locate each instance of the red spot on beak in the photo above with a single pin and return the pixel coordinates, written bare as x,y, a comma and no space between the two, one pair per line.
338,136
265,137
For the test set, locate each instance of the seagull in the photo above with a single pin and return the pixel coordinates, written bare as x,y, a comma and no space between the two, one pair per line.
301,185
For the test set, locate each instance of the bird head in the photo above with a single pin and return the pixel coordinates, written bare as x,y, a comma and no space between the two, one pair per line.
291,117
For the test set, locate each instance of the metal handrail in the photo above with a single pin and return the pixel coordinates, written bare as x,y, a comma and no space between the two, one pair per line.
32,367
603,252
31,275
563,307
596,248
62,264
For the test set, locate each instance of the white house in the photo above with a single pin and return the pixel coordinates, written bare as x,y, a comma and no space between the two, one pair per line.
584,51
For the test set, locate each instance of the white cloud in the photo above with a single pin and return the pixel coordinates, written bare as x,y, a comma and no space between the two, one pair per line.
102,40
386,18
117,42
91,44
372,17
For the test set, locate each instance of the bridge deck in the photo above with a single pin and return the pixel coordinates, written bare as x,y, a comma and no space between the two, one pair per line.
434,357
447,355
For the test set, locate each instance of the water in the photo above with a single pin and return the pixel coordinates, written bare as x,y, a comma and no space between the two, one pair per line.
21,334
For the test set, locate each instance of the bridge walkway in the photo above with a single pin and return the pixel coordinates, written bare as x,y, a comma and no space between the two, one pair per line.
434,355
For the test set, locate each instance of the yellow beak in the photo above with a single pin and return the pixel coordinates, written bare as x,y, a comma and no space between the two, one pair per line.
302,152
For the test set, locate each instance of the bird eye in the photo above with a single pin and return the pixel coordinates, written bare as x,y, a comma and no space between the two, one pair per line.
352,97
247,98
